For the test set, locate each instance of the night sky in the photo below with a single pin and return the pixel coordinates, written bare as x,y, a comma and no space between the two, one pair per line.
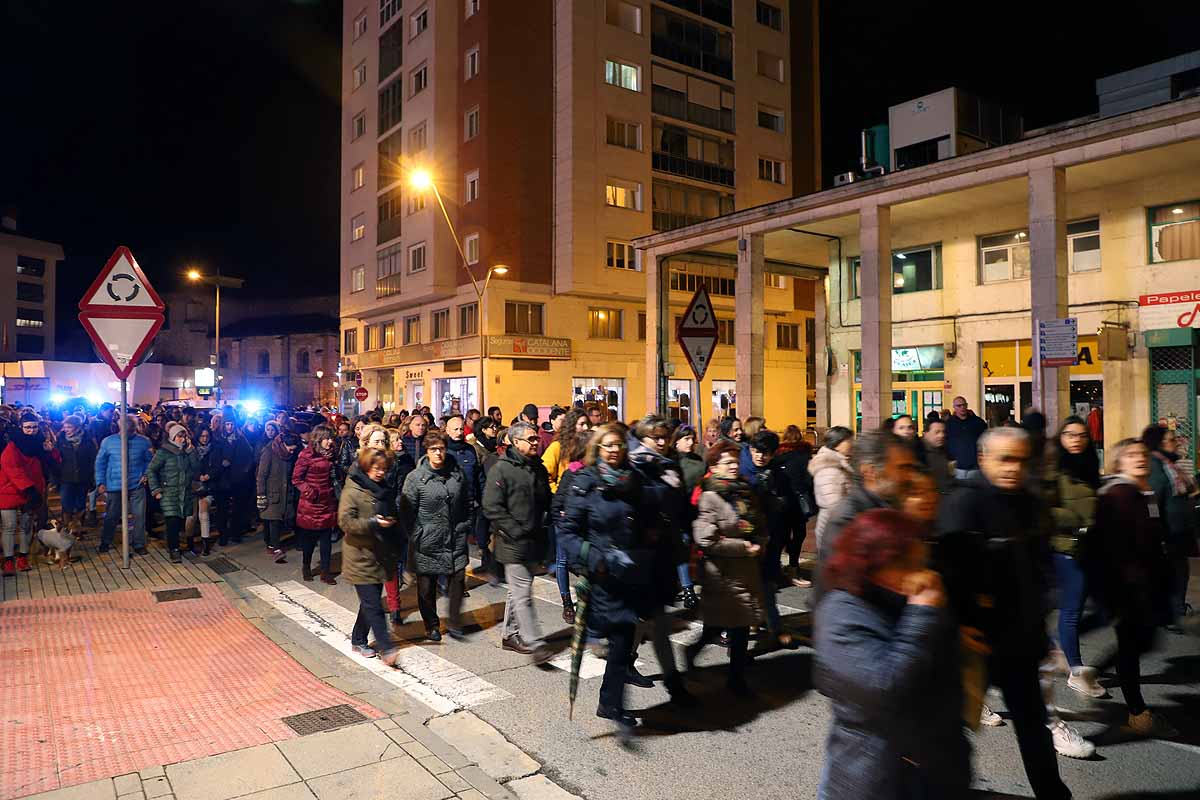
207,132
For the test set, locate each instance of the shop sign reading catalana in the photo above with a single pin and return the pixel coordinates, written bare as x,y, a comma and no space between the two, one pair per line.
1169,310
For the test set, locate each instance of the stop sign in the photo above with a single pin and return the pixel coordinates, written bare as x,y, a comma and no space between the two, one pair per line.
360,394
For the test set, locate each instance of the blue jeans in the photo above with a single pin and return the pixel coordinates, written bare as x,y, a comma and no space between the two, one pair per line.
112,517
560,562
1072,592
371,618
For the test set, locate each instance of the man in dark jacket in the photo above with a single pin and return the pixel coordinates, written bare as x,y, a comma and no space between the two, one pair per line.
516,500
933,445
234,459
883,465
993,551
466,456
414,441
963,430
485,436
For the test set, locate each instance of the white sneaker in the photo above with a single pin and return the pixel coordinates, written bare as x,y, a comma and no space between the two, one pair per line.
1083,680
990,718
1068,742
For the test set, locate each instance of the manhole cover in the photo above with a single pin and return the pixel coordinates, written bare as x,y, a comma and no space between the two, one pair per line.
222,566
324,719
167,595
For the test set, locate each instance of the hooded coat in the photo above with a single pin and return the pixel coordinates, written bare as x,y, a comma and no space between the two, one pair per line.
273,478
369,551
436,506
78,458
21,475
171,472
832,480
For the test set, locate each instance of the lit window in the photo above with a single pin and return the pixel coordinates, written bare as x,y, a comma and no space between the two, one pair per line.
350,341
623,194
30,317
417,138
360,26
440,324
358,125
620,255
360,75
387,334
1083,245
471,65
358,177
771,170
627,76
28,265
416,257
1175,231
471,247
726,332
388,9
358,279
604,323
468,316
472,187
1004,257
774,280
624,134
370,337
624,15
420,79
412,330
416,202
471,124
420,21
358,227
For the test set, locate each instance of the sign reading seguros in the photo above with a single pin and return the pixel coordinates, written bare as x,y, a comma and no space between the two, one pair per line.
1169,310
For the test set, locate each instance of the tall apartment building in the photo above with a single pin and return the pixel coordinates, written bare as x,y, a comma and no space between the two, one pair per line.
28,267
556,132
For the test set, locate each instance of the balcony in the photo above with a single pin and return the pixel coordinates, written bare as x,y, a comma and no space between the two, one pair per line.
692,57
388,229
719,11
387,286
692,168
670,103
670,220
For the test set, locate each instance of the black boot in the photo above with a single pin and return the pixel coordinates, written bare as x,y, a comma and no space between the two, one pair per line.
207,543
635,678
680,695
176,558
689,598
306,572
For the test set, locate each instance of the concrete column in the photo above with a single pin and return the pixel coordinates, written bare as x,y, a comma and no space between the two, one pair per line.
875,288
1048,282
658,329
748,328
820,359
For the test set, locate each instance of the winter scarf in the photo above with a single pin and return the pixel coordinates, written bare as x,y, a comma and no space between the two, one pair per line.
612,476
1083,467
1180,482
379,491
739,495
30,446
487,442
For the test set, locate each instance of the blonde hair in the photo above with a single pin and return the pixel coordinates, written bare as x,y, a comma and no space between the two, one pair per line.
1118,451
369,429
598,434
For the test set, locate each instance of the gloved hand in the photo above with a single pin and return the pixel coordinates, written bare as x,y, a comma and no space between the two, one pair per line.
262,502
618,562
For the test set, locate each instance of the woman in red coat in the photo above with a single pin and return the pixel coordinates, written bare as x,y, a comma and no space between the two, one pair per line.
316,515
22,491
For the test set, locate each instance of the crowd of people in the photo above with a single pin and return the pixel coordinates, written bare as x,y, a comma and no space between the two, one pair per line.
940,554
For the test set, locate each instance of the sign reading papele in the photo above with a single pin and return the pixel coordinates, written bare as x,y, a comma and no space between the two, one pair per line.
697,332
1169,310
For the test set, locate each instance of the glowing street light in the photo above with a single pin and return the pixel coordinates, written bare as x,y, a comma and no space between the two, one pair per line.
218,280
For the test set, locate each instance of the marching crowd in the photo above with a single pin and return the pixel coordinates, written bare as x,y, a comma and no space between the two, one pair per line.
939,556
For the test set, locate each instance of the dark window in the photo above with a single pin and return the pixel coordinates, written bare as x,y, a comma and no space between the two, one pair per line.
302,362
350,341
389,105
390,213
30,292
391,150
692,99
692,155
224,359
769,15
714,284
717,10
28,265
676,205
787,336
726,332
641,326
391,51
689,42
523,318
264,363
28,343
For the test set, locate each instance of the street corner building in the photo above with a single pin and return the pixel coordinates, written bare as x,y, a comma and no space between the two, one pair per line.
553,134
940,262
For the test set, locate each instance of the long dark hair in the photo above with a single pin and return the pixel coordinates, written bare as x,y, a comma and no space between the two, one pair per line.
1084,466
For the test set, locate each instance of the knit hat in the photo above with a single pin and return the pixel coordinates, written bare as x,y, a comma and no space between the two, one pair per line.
174,428
29,416
73,419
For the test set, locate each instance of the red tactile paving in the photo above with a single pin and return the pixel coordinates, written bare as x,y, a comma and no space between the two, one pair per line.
101,685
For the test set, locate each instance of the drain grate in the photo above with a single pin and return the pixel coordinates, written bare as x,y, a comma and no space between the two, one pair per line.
168,595
323,719
222,566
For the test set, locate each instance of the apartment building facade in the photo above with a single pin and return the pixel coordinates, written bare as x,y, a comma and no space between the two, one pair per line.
556,132
27,318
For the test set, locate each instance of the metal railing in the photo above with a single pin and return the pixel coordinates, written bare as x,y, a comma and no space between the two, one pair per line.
387,286
692,168
671,103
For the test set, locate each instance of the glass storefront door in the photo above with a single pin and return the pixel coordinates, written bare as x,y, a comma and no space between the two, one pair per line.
455,396
724,399
608,391
414,391
680,403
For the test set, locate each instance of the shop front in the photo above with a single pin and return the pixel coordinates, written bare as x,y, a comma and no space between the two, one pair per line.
610,392
1006,380
419,375
918,382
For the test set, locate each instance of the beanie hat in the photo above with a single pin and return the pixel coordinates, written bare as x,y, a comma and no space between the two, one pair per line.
29,416
172,429
73,419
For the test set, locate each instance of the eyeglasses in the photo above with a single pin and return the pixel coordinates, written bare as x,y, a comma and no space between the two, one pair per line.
531,439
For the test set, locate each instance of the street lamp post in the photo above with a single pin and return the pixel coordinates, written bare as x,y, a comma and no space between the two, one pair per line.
422,181
320,375
218,280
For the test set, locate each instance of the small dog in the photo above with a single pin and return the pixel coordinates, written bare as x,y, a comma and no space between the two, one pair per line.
56,544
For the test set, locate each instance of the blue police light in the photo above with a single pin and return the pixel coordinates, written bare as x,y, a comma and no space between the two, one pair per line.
252,406
93,398
58,398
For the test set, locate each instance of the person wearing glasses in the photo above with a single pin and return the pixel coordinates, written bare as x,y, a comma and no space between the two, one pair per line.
963,430
516,501
437,506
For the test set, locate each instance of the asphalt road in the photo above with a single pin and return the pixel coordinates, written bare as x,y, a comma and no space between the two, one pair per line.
774,746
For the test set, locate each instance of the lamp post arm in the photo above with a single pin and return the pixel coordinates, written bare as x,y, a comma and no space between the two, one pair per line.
454,236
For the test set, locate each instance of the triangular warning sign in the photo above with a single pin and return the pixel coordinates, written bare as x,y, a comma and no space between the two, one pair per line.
699,317
121,285
121,341
698,351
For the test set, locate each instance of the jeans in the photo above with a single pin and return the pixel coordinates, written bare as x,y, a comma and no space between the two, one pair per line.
112,517
560,568
966,474
370,618
685,576
519,619
272,532
309,541
616,667
427,588
1018,681
1072,592
12,520
174,526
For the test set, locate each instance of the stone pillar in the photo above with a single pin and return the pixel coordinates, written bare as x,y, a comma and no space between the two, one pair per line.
748,327
875,288
658,329
820,381
1048,282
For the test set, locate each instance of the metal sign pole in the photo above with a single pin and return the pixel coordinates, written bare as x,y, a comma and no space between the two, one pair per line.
124,473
